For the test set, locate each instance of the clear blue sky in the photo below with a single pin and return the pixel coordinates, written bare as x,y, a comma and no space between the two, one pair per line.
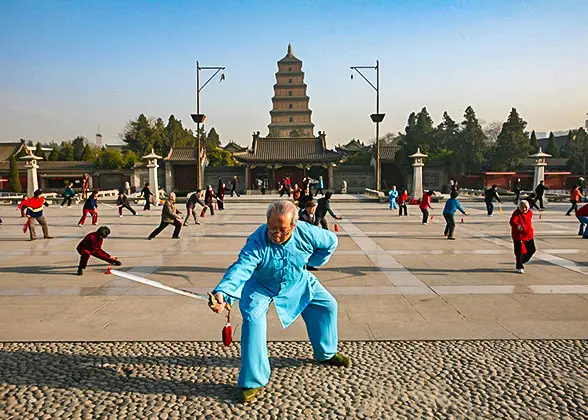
67,67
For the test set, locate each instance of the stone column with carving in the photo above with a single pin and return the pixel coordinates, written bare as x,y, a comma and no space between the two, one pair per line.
169,179
540,164
153,181
32,180
330,179
417,174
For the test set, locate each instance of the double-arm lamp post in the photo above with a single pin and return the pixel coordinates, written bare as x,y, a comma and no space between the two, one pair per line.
377,117
199,118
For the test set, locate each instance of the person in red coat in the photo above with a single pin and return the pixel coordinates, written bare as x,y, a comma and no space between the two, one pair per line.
401,200
425,205
521,223
91,245
582,215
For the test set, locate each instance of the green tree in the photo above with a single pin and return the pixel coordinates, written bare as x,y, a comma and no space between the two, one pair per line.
220,157
177,135
512,145
533,143
472,143
138,135
67,152
110,159
39,151
14,179
130,158
419,132
361,157
78,144
54,155
578,152
88,154
212,140
551,147
569,139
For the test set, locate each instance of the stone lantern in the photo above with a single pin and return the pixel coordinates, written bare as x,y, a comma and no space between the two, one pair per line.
31,165
152,166
417,174
540,164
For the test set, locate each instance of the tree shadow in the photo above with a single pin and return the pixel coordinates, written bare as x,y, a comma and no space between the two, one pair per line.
124,374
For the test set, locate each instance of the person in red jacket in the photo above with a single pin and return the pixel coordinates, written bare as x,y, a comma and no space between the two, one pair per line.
522,235
91,245
401,200
582,215
425,205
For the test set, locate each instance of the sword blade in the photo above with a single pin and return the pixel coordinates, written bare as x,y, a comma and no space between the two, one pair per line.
158,285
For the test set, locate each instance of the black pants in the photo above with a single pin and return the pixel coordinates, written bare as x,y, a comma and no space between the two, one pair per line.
235,190
425,215
523,258
489,207
540,202
177,227
400,207
518,196
208,206
322,221
450,227
319,190
147,205
129,208
574,207
66,199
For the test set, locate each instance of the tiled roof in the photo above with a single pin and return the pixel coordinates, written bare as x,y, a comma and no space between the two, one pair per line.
353,146
7,149
178,154
288,150
387,153
234,147
54,166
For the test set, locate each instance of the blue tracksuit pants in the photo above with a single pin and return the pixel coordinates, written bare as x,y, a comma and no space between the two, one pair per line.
320,317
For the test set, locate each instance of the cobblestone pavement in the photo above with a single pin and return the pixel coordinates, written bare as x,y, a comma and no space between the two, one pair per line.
398,379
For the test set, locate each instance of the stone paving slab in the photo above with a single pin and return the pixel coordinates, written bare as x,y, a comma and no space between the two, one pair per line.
524,379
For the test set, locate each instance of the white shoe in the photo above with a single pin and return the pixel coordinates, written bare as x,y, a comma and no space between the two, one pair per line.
120,215
79,225
521,271
425,223
69,207
60,207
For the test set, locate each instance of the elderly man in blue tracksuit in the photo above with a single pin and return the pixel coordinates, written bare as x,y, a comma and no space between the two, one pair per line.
392,196
451,206
271,268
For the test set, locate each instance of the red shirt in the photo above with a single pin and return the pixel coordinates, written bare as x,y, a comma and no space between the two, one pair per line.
525,220
425,202
582,211
402,198
93,243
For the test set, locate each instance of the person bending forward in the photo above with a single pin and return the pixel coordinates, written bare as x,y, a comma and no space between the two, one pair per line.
270,268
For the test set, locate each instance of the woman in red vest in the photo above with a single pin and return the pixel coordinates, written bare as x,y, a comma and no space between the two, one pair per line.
522,235
425,205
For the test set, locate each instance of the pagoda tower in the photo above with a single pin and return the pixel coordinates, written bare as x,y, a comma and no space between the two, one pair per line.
290,116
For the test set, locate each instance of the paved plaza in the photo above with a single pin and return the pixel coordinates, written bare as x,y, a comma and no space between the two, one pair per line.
444,327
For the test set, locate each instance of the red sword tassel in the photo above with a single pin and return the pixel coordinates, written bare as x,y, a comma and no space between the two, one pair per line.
228,330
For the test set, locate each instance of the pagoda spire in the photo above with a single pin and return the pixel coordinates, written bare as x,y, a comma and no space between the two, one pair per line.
290,54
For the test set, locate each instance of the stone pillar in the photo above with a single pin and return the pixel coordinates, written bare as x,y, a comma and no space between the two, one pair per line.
32,180
152,166
417,174
330,179
247,175
540,164
169,178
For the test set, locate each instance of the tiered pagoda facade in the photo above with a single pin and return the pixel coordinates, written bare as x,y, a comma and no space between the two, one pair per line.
290,148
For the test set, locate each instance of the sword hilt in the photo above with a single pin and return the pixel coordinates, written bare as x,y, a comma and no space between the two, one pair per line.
212,302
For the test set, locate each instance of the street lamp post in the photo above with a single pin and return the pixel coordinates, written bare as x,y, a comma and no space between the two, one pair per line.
377,117
199,118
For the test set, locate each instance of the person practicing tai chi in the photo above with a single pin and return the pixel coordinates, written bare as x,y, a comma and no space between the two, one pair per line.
517,188
235,186
401,200
34,211
91,207
68,195
575,198
169,216
123,202
324,207
490,195
85,186
582,215
320,185
392,197
91,246
209,197
425,205
451,206
540,191
270,268
146,193
521,223
193,199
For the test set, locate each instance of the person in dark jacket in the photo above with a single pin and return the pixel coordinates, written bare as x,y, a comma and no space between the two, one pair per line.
235,186
219,183
425,205
451,206
517,188
169,216
91,246
324,207
220,197
521,223
123,202
191,206
307,213
91,207
532,200
68,194
209,197
540,191
146,193
490,195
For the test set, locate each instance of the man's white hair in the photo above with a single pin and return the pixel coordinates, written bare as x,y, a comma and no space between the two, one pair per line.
281,207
